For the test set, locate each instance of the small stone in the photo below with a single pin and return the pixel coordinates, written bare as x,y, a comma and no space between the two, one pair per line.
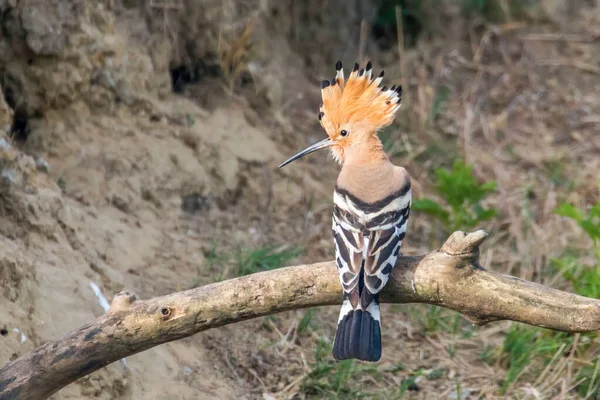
4,144
9,177
120,204
193,203
187,370
42,165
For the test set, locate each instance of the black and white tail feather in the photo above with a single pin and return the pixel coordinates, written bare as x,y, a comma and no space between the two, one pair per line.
368,237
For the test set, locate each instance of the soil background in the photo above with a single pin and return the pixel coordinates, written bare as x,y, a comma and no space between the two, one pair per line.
139,151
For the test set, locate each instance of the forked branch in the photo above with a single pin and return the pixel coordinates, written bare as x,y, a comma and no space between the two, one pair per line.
450,277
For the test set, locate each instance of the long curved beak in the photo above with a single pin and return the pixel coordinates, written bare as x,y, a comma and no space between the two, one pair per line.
319,145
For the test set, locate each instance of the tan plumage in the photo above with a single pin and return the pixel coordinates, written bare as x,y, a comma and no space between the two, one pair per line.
373,181
371,203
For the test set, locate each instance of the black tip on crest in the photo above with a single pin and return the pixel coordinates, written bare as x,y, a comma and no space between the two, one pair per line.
355,67
399,90
321,105
362,72
338,65
369,66
333,82
382,74
393,88
383,89
321,115
324,84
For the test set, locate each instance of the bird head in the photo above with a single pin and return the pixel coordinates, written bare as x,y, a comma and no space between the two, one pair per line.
352,112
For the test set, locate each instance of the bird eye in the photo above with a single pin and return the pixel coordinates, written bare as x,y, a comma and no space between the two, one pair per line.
344,133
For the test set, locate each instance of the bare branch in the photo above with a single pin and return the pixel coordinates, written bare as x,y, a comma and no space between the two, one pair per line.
450,277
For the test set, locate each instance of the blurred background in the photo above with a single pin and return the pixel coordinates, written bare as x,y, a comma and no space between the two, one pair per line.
139,150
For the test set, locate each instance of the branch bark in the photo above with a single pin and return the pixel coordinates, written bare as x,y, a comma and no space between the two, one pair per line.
450,277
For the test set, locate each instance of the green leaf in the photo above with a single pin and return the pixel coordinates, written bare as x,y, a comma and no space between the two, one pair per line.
589,223
569,211
592,229
265,259
441,96
431,207
463,193
595,212
305,321
486,215
489,187
459,187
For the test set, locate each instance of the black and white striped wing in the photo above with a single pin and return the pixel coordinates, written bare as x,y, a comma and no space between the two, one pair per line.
349,249
367,244
386,234
368,237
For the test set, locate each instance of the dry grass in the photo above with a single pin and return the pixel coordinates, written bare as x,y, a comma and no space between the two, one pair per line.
233,54
520,102
513,92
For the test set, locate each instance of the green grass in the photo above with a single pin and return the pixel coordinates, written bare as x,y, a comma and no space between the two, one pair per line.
519,347
591,383
332,379
434,319
422,17
245,262
265,259
441,97
585,279
409,383
305,323
438,154
462,196
527,351
413,19
487,354
494,11
557,174
216,264
62,184
351,379
588,221
534,348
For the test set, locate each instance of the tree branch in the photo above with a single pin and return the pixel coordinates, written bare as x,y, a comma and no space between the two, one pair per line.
450,277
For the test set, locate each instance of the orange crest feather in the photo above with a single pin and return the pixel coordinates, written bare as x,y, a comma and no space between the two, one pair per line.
359,102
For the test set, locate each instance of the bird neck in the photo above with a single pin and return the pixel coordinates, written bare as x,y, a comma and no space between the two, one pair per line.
366,152
369,182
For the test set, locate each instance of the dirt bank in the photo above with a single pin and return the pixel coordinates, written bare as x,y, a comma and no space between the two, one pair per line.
139,151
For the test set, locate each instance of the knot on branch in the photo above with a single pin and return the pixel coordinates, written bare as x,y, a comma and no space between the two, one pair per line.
461,243
169,312
450,277
165,313
122,301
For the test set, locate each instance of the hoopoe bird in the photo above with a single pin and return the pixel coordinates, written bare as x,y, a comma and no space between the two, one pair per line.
371,202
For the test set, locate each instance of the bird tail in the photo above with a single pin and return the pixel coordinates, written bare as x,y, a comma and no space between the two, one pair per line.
358,332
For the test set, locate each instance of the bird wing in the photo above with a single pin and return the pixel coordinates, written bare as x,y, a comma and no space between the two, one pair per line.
349,245
367,245
385,240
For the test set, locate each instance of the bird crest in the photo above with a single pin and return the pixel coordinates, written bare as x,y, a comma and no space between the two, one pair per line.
359,101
